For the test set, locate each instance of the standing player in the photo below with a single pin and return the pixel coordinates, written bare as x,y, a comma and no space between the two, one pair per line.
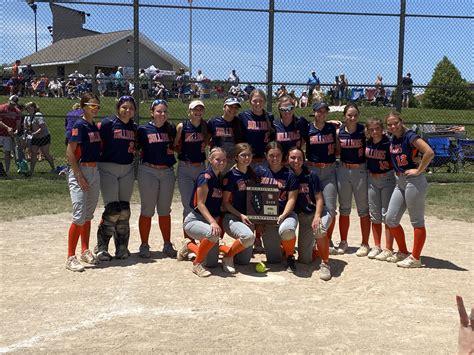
410,191
156,177
201,222
313,218
83,151
236,223
321,148
352,178
257,126
281,235
381,185
289,129
226,131
118,134
191,140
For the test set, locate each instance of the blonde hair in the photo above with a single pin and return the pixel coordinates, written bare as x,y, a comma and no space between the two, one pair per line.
32,104
216,150
396,115
371,121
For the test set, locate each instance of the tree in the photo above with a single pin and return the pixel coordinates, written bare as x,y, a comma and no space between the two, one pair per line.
447,89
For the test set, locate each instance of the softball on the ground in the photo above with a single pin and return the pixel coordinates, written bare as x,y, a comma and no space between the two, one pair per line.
260,267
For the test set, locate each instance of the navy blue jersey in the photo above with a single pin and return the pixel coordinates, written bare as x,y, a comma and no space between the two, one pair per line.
157,143
223,134
193,144
352,145
321,143
291,135
256,131
309,186
285,179
118,140
214,195
87,137
235,182
402,151
378,156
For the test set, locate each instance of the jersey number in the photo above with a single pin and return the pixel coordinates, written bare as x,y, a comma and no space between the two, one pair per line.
402,160
384,165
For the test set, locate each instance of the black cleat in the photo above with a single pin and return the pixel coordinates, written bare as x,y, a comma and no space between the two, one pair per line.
291,264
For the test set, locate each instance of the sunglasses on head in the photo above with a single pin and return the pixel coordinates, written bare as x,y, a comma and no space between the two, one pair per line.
286,109
159,102
126,98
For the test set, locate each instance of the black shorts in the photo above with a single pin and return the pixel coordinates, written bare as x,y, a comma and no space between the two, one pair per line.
41,141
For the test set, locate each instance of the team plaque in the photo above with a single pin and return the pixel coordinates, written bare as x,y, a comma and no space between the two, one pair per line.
262,203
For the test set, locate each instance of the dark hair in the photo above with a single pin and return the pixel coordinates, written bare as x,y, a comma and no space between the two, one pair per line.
305,168
273,145
86,97
158,102
350,105
123,99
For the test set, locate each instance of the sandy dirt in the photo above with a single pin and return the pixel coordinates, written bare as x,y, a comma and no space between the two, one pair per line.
158,305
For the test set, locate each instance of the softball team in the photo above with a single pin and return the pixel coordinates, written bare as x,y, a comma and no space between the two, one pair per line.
382,173
117,176
410,190
156,177
83,152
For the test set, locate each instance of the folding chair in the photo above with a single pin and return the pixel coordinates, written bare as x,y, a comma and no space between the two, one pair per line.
445,154
466,152
357,95
370,94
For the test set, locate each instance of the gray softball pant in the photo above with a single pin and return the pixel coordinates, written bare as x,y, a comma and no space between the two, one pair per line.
196,226
187,175
327,176
273,235
84,202
156,188
409,193
380,192
116,182
235,228
306,236
352,182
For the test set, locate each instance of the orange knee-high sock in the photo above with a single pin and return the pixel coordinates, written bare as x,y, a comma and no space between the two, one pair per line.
399,236
418,241
289,246
365,229
205,245
344,223
85,236
165,228
323,247
315,253
144,226
224,249
235,248
388,239
331,228
73,237
193,247
377,233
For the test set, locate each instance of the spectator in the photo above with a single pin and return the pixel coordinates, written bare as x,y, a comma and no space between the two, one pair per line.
143,79
16,82
317,95
157,76
281,92
28,74
407,90
248,89
56,88
71,91
379,91
304,99
101,82
160,91
44,85
234,91
10,123
293,97
234,78
200,79
181,82
119,83
343,86
313,81
35,128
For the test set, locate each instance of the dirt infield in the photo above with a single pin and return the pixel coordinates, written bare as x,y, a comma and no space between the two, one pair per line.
158,305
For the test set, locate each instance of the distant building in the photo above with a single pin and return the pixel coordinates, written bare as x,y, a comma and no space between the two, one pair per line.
75,48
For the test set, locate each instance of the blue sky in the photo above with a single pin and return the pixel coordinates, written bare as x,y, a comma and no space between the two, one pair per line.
359,46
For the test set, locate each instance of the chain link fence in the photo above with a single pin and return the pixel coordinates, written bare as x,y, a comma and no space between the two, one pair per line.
384,55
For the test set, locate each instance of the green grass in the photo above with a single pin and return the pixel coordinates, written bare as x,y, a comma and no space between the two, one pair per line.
451,201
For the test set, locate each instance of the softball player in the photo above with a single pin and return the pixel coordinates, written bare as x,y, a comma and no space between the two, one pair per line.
191,140
410,190
225,131
118,134
352,178
201,222
381,185
257,126
83,151
281,235
321,148
313,218
234,199
289,129
156,177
